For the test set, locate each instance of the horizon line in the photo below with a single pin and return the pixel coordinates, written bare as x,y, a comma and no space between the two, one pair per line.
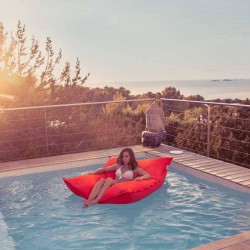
224,79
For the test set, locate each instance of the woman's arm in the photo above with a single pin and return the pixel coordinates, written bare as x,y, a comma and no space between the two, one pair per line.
103,170
144,175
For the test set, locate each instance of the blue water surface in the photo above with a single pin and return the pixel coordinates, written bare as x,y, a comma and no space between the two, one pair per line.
39,212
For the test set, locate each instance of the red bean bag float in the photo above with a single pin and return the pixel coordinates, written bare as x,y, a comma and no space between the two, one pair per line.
124,192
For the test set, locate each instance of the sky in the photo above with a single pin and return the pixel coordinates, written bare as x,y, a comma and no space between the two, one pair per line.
141,40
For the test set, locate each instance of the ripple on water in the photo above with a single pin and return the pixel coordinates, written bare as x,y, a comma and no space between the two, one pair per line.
40,210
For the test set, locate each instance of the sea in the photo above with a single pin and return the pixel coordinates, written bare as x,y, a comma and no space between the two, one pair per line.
209,89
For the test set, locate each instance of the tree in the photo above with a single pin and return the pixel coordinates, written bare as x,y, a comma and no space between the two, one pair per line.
21,69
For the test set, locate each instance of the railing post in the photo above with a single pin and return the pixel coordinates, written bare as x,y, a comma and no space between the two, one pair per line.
46,130
161,104
106,125
208,129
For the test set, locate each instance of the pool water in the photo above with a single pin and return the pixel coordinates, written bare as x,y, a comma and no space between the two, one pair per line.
38,211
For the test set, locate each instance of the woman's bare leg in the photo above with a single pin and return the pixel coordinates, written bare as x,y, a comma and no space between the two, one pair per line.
108,183
94,192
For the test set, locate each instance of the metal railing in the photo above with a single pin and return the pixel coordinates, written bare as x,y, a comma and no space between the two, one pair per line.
40,131
217,130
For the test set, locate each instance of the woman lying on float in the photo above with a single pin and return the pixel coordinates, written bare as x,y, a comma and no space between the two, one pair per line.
121,180
126,170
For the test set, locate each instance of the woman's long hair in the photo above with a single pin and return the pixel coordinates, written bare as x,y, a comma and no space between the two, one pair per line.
132,162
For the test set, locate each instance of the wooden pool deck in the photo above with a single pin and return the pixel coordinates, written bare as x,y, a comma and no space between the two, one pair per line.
213,170
236,242
226,173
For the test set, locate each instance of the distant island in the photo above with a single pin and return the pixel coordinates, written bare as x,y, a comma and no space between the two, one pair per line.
223,80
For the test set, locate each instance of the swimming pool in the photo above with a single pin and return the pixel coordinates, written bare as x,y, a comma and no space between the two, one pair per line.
38,211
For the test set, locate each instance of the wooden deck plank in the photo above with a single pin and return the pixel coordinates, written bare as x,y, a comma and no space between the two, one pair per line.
213,167
202,165
238,179
226,172
217,166
238,176
233,242
245,183
186,158
201,162
221,166
235,172
230,171
197,163
194,159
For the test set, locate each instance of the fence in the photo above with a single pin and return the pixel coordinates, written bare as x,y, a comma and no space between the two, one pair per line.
41,131
217,130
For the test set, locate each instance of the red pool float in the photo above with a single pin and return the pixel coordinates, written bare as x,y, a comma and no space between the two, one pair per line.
124,192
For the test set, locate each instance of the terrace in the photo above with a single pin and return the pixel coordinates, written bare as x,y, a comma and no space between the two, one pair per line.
49,138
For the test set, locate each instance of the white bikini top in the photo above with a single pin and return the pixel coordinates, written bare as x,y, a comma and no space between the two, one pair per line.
128,174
